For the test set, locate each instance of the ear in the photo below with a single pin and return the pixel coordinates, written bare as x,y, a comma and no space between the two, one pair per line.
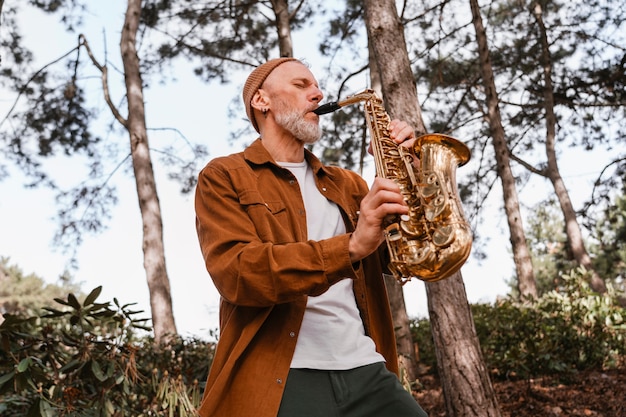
260,100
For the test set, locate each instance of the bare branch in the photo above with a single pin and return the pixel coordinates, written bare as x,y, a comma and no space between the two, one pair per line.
295,11
105,81
597,182
528,166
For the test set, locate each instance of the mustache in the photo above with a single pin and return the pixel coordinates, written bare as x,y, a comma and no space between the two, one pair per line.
312,109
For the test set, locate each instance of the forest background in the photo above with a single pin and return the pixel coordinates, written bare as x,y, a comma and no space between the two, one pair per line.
537,89
184,110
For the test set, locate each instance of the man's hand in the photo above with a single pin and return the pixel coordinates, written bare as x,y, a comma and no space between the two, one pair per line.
383,199
400,132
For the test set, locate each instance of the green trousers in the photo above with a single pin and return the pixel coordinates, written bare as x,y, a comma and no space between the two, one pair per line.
367,391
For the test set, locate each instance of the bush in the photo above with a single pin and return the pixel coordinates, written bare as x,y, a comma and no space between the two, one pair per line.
565,330
97,359
90,359
423,339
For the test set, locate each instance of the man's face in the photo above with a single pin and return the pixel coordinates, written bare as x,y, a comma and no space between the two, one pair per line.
294,94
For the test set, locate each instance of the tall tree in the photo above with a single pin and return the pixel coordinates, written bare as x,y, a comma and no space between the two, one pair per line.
347,142
153,248
585,41
555,94
521,255
466,385
283,27
551,170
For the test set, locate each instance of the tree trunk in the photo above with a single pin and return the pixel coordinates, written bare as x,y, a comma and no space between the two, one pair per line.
465,382
407,355
456,342
521,255
153,249
283,28
572,228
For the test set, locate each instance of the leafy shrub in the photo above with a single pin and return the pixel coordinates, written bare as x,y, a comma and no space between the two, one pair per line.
93,359
571,328
423,339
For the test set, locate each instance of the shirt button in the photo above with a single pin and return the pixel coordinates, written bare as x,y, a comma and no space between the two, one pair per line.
292,334
279,381
324,189
292,182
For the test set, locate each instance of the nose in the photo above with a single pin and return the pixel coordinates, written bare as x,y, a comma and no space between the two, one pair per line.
317,94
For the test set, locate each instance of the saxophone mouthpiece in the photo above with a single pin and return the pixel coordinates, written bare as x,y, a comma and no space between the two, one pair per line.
327,108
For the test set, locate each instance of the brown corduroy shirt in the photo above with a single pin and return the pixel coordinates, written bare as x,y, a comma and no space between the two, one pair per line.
252,230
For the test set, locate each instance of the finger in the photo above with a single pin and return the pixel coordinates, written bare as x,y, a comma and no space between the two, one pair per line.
381,183
399,131
385,192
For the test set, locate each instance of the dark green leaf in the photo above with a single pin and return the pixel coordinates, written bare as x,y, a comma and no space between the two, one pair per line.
46,409
6,377
73,364
62,301
24,364
53,313
35,409
93,295
97,371
73,301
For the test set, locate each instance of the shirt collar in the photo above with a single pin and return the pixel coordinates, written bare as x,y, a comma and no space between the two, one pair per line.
257,154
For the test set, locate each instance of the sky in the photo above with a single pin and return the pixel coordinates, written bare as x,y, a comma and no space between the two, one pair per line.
114,258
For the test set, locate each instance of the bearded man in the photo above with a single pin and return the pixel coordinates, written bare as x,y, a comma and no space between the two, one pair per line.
295,250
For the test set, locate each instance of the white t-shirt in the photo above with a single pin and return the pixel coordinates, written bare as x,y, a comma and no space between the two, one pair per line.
332,336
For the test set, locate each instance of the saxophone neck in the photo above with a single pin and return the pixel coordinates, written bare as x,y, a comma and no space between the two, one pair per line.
365,95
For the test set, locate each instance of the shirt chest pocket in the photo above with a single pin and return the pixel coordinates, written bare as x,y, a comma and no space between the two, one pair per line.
270,218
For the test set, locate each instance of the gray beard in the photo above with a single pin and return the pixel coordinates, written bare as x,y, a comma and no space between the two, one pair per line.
305,131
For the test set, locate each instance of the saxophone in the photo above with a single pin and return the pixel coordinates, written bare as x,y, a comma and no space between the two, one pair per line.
434,239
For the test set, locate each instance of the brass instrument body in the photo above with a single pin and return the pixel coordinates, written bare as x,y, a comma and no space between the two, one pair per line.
434,239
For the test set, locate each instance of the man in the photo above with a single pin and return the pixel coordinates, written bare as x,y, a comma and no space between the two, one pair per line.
293,248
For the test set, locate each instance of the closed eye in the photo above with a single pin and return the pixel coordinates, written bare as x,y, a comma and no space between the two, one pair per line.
302,83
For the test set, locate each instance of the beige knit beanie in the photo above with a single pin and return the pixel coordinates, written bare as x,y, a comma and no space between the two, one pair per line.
254,82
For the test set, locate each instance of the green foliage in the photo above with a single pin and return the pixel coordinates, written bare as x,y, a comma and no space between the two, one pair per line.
549,247
422,336
21,293
94,359
609,248
567,329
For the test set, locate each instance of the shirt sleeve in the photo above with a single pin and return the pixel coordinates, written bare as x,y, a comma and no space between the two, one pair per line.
252,271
